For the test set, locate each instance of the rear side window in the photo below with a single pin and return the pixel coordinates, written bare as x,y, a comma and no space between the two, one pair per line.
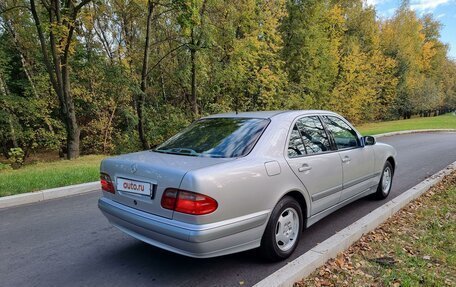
313,135
308,137
344,135
295,146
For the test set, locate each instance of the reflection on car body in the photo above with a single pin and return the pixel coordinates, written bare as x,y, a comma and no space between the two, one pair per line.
233,182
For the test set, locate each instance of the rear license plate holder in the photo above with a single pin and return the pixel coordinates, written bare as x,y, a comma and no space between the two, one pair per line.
135,186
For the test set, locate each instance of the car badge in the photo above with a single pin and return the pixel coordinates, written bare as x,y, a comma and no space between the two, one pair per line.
133,168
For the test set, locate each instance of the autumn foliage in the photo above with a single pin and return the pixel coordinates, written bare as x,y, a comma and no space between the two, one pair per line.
116,76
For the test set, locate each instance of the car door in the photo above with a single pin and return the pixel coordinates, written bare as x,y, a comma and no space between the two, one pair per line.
314,161
357,160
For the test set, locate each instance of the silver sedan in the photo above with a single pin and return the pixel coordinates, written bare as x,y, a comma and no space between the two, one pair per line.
233,182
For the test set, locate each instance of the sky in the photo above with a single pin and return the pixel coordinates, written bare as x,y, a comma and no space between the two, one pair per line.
442,10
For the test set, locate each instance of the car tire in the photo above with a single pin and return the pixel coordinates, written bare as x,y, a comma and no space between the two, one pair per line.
283,230
386,181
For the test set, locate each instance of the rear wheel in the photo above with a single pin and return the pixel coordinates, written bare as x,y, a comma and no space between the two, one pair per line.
283,231
386,181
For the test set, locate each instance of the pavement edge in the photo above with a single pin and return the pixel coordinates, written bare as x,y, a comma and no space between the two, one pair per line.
413,132
317,256
31,197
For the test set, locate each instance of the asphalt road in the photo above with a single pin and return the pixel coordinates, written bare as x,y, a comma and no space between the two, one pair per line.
67,242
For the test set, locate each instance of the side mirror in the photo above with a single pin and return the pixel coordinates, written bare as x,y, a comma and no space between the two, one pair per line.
369,140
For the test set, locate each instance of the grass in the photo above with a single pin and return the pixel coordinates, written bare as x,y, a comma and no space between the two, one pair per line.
44,175
447,121
416,247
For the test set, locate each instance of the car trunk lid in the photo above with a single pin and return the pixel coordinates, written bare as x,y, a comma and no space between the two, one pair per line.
141,178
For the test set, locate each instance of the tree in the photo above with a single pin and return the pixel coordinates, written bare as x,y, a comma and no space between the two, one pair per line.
312,33
119,76
62,22
144,83
25,109
366,82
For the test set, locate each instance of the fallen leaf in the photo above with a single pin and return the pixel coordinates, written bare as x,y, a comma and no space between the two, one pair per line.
325,283
340,261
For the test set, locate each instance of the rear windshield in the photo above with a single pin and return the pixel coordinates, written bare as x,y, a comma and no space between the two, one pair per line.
216,137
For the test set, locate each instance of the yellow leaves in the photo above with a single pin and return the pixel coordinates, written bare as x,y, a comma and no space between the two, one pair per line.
355,88
428,53
61,30
86,16
336,16
142,3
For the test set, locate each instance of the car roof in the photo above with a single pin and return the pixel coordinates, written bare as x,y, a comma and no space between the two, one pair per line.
266,114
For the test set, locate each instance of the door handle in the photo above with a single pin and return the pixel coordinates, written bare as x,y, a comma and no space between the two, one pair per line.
304,167
346,159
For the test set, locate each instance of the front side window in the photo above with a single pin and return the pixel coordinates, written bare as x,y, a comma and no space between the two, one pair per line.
216,137
344,135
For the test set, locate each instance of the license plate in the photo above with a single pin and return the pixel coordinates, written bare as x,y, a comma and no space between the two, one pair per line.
134,186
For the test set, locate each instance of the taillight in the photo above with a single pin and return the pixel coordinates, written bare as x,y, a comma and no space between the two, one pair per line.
188,202
169,197
106,183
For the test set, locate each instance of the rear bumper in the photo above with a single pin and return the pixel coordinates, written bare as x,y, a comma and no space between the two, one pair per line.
201,241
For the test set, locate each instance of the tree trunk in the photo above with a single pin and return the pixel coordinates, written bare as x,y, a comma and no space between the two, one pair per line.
73,131
145,67
162,79
4,89
108,126
193,101
193,96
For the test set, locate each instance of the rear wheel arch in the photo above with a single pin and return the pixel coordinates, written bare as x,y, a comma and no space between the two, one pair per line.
299,197
392,162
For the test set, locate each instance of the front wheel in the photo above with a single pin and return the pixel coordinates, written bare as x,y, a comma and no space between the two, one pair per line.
386,181
283,231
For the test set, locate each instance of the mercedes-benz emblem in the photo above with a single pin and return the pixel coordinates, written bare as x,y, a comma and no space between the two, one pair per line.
133,168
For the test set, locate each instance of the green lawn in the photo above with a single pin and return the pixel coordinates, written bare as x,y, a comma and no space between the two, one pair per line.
447,121
46,175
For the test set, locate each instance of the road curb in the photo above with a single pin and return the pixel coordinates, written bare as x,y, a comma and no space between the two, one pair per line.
413,132
31,197
305,264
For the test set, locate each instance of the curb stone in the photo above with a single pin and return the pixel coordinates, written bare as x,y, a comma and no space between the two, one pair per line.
412,132
317,256
31,197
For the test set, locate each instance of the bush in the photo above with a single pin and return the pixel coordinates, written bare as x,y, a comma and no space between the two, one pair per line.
16,156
